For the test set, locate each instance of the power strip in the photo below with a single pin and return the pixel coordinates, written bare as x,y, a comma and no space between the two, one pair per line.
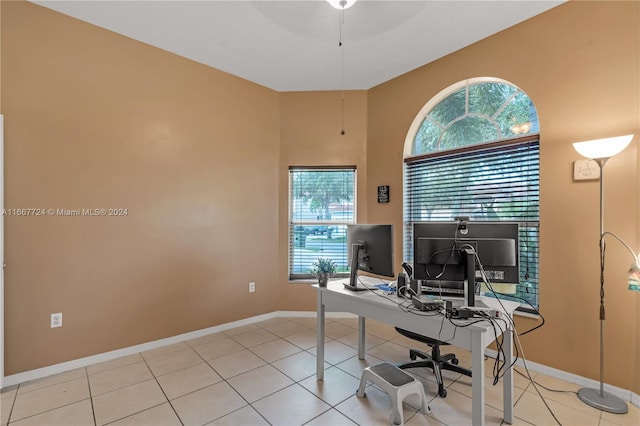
483,312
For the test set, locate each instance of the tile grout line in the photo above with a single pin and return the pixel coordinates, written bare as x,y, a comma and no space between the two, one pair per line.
162,389
13,404
259,328
137,412
133,384
48,386
250,404
93,410
45,411
110,371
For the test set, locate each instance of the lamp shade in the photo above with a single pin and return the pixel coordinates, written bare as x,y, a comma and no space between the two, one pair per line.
341,4
602,148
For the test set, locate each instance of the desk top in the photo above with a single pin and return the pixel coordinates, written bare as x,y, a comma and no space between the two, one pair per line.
505,306
377,305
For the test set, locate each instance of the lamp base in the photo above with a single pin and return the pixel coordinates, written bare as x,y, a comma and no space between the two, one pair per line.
607,402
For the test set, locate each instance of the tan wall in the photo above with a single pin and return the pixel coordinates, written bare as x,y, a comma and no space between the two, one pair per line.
96,120
579,64
635,323
310,131
198,157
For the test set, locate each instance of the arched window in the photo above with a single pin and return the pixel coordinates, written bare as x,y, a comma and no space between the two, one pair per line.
473,150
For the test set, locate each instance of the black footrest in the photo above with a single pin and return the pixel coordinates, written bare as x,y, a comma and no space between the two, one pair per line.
392,374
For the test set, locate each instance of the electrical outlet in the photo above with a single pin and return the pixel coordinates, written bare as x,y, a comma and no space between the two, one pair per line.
56,320
252,287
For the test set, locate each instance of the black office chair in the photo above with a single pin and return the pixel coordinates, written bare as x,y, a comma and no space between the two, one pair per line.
436,361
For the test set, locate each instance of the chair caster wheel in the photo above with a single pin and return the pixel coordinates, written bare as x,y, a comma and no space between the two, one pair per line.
455,361
442,393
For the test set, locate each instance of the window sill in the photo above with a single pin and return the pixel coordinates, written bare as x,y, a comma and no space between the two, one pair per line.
526,314
303,281
313,280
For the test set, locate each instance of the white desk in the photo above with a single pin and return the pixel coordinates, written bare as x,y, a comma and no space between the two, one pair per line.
476,337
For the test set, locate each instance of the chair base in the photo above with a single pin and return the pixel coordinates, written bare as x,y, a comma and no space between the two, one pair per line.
447,362
435,361
397,384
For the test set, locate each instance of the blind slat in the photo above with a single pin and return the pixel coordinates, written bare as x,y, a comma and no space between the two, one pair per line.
495,183
321,205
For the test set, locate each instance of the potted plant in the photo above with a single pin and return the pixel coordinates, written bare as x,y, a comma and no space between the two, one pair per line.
323,268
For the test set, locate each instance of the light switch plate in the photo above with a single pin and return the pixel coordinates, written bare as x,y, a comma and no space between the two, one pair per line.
586,170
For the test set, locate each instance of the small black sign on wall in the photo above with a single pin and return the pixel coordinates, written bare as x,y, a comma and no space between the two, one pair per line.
383,194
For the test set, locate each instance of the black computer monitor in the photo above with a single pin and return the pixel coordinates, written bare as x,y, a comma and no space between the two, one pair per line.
370,249
444,256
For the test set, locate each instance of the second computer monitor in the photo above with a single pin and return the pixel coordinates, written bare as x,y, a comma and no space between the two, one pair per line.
370,249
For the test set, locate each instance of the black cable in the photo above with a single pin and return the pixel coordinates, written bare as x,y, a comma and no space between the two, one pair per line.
495,294
444,267
544,387
409,308
499,367
516,344
499,342
537,312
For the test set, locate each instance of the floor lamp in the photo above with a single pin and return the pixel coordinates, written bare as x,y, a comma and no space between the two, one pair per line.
601,150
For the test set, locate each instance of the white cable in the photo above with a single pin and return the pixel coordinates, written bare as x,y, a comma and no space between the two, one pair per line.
516,339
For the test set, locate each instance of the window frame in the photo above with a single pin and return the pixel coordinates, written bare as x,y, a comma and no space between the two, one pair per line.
468,149
292,223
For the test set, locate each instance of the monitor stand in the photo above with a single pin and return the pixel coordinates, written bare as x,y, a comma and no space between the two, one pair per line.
470,272
353,275
470,282
352,288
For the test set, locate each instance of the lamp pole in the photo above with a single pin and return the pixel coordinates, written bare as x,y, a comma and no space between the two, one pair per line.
602,162
599,398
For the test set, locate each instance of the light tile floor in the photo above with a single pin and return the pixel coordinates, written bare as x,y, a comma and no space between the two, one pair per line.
264,374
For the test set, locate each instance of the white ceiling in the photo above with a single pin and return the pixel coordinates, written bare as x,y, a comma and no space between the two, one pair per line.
293,45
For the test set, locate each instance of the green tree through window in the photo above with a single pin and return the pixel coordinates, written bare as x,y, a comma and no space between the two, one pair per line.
474,151
475,114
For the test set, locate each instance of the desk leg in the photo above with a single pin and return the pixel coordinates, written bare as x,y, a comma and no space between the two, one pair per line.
477,380
320,338
508,377
361,334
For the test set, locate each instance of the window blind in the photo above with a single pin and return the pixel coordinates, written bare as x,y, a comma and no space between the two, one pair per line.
321,205
497,181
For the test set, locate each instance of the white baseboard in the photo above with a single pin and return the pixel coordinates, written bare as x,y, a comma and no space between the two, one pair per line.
39,373
625,394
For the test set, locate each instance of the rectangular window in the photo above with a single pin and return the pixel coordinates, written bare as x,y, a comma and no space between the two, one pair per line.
321,205
491,182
